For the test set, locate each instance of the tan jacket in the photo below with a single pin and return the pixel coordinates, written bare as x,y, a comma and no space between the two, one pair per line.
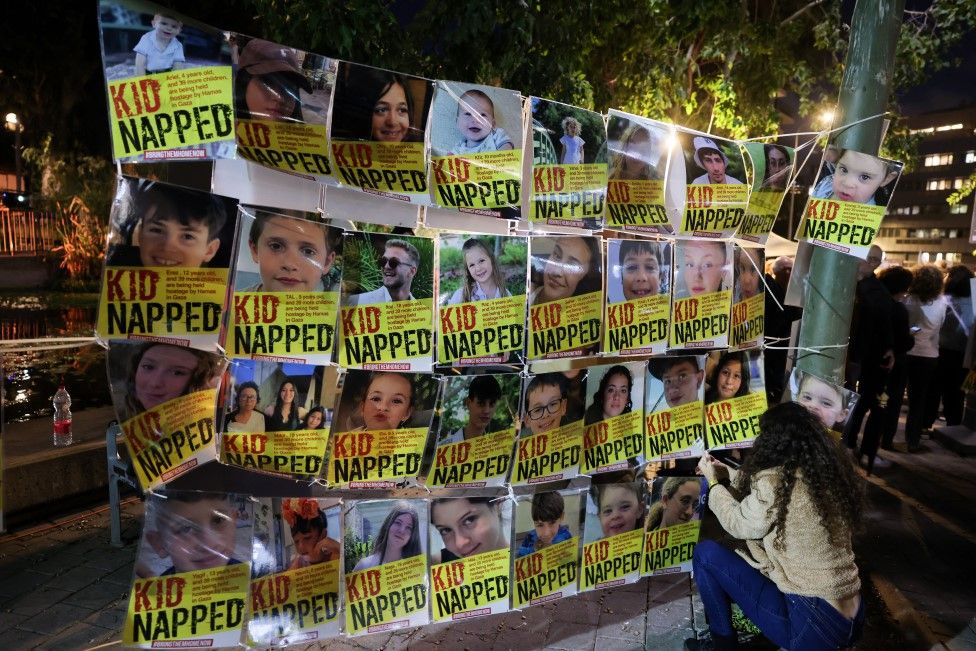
808,564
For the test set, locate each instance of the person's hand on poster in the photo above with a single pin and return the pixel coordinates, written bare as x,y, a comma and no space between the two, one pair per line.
712,469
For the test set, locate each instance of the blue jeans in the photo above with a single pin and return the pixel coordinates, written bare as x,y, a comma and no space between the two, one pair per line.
789,620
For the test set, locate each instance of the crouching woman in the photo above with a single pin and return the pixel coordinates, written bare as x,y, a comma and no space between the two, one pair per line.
794,502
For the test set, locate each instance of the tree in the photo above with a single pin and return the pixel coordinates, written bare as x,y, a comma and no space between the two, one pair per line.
714,66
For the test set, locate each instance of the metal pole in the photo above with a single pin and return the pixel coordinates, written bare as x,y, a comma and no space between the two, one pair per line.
17,159
868,71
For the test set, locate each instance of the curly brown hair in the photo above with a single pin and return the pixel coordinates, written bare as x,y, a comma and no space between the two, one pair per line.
926,283
795,441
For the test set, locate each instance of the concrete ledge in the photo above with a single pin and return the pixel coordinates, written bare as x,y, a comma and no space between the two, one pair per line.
958,438
55,476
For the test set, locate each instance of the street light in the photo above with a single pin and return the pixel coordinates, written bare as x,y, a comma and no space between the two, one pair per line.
14,124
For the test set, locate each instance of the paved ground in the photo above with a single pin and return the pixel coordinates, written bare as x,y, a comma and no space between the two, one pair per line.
62,586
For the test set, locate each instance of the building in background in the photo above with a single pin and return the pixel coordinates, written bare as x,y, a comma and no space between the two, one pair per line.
920,226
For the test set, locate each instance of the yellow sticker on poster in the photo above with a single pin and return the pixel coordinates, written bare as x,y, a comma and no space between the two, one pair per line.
163,116
547,574
734,423
482,461
284,326
377,459
387,597
611,444
478,181
386,336
470,587
292,147
299,605
295,453
612,561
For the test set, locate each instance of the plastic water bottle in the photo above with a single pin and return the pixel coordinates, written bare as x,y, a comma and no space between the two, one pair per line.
62,418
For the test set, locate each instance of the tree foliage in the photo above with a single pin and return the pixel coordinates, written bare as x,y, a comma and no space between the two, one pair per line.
710,65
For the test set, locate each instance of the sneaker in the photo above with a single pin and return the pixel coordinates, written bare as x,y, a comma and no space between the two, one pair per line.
881,462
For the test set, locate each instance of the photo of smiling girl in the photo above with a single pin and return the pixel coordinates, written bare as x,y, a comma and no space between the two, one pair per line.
858,178
614,434
396,409
615,511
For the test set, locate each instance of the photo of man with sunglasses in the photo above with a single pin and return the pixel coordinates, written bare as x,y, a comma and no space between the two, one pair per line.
398,266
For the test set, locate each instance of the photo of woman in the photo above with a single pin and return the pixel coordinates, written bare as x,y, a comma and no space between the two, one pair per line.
702,266
379,105
563,267
245,417
399,535
778,167
147,375
675,500
729,378
613,395
284,414
268,81
466,526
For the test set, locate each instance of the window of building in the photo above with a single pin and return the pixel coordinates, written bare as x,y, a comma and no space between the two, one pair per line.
953,257
959,209
906,210
938,184
971,156
953,233
950,127
957,183
934,160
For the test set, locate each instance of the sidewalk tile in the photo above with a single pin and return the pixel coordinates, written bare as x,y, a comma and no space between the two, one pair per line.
121,576
568,635
53,562
109,559
97,595
54,619
78,577
32,602
79,636
110,617
604,643
577,609
21,582
519,639
17,639
9,620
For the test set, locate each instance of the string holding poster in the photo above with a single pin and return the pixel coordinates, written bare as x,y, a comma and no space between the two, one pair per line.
192,570
638,297
169,88
673,408
165,397
377,132
748,316
715,197
702,294
281,104
547,543
735,398
469,576
387,314
295,594
386,571
478,421
380,428
638,152
482,292
772,166
566,300
569,166
849,200
166,266
613,535
286,287
673,524
476,149
278,420
613,434
550,445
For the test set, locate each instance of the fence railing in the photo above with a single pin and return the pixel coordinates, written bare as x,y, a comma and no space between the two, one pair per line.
26,232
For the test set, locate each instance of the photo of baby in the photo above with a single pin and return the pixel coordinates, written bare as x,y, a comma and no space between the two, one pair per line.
471,119
830,403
